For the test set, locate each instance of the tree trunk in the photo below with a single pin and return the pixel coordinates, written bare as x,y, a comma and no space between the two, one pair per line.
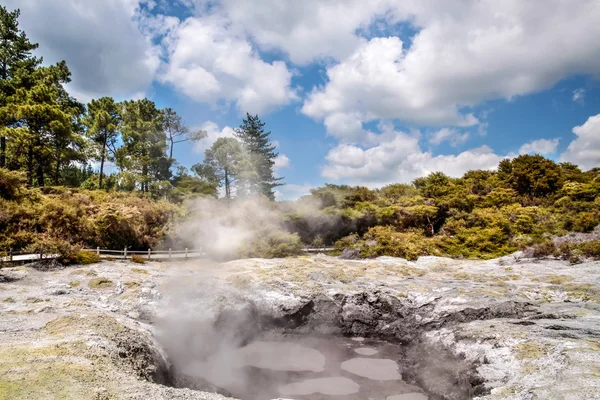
171,152
102,163
2,152
39,170
57,172
227,187
30,166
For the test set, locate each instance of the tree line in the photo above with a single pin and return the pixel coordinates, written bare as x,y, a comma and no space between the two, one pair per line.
54,139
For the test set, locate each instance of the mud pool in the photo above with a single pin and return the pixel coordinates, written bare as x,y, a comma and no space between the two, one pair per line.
307,368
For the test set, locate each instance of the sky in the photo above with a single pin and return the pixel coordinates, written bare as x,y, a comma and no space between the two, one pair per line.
354,92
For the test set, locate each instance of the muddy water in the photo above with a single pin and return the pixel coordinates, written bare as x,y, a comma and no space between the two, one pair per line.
309,368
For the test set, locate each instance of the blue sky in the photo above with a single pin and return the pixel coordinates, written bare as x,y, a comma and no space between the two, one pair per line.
354,92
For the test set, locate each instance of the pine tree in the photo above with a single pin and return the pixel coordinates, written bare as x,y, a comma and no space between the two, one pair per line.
44,121
143,153
15,57
260,178
102,122
221,165
177,132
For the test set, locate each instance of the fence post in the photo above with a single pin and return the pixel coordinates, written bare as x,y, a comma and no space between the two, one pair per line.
41,254
125,252
186,253
98,250
149,253
10,255
169,252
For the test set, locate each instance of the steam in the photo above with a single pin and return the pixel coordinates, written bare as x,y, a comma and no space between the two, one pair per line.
223,228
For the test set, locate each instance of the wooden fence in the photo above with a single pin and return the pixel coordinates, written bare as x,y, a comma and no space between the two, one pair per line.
157,255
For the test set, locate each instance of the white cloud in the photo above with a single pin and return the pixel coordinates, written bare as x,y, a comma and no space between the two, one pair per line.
281,161
105,51
449,135
305,30
400,159
585,149
213,133
541,146
209,62
292,191
465,52
579,95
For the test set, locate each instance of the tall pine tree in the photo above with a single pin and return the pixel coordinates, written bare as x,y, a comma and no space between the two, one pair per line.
102,122
260,179
15,59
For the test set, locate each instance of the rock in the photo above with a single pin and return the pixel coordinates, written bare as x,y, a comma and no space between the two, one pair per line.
510,328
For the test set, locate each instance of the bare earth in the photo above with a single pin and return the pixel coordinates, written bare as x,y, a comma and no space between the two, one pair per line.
530,328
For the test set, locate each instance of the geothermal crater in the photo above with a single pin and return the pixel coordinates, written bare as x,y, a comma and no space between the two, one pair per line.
302,328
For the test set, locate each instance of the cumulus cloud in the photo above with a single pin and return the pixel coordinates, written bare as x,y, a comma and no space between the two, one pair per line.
212,134
208,62
449,135
281,161
400,159
541,146
585,149
106,52
464,53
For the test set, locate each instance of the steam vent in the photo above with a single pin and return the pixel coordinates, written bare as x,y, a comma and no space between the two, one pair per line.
310,327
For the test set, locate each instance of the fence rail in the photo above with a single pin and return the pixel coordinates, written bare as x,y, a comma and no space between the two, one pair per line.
125,254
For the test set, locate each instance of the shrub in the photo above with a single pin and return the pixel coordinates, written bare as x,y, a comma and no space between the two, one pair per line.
12,184
590,249
138,259
544,249
585,221
85,257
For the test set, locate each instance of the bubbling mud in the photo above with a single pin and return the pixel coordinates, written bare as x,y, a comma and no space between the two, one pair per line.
309,368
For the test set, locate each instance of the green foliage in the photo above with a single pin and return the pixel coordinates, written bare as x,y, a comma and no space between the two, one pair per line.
85,257
61,218
224,164
137,259
259,177
533,176
11,184
273,245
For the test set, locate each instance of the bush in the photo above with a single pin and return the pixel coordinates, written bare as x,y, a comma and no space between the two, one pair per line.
85,257
544,249
138,259
12,184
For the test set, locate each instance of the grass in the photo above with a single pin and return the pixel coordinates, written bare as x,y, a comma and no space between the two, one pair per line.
530,350
74,284
138,259
100,283
140,271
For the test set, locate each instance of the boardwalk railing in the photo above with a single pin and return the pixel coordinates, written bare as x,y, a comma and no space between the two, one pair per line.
127,254
15,256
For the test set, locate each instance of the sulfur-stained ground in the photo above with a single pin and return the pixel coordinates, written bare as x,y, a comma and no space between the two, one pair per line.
531,328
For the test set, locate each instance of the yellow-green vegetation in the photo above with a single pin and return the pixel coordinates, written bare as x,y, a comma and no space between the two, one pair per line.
131,284
74,284
530,350
83,272
554,279
140,271
100,283
8,300
483,214
138,259
583,291
52,371
85,257
58,219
